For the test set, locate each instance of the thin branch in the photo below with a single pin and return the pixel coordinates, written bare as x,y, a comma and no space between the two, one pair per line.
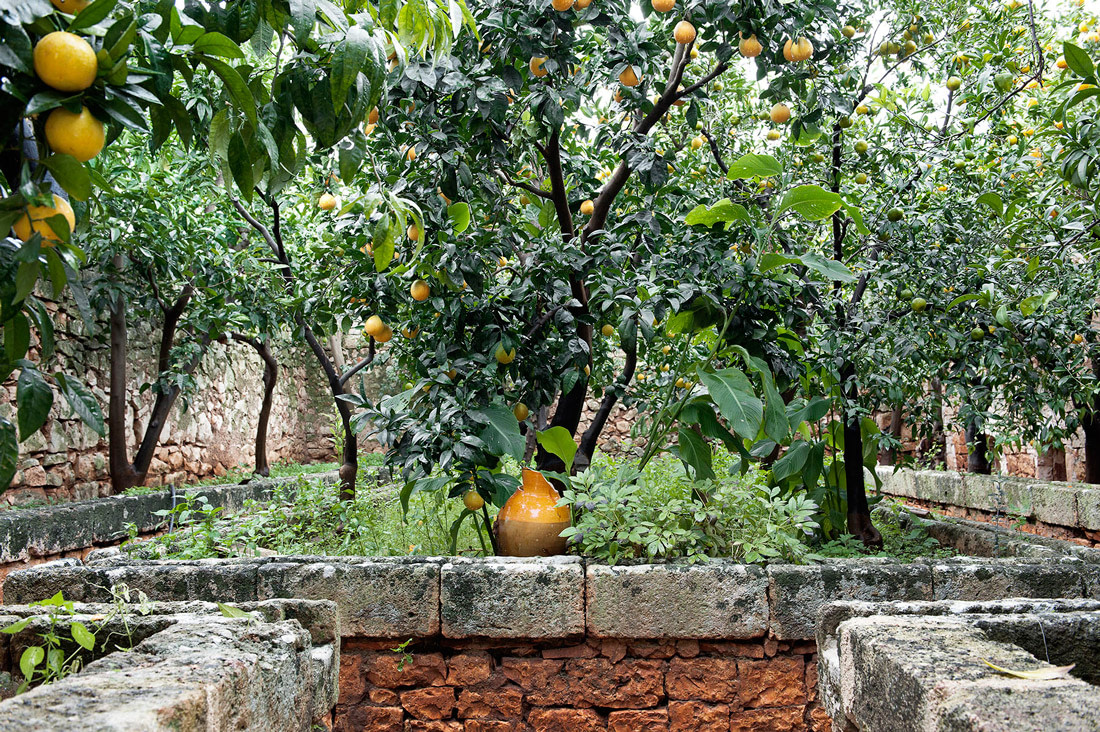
543,320
525,186
715,151
256,224
359,366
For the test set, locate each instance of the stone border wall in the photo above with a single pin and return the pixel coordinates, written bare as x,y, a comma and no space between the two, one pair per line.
30,536
1053,509
190,668
872,678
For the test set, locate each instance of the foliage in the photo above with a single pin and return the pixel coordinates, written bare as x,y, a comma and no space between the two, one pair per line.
623,514
904,538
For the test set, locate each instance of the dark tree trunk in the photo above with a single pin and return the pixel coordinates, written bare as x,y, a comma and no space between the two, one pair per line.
1090,425
125,473
890,455
349,459
271,374
859,511
977,445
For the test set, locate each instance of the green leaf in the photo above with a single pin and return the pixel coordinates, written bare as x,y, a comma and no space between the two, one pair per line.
383,242
229,611
82,402
732,391
235,85
303,13
775,412
240,165
347,62
812,202
92,14
70,174
216,44
25,278
82,635
792,461
558,441
752,165
830,269
501,435
16,626
29,661
724,211
771,260
9,453
994,201
695,451
459,213
1001,316
963,298
456,527
34,398
350,154
1077,59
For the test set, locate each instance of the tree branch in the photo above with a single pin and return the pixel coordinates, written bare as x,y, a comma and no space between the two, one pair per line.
525,186
344,377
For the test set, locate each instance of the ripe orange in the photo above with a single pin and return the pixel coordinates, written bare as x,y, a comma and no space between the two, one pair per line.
34,220
608,330
536,66
413,232
372,118
684,33
374,326
80,135
628,77
71,6
587,207
420,291
521,411
561,5
582,4
65,61
384,335
780,113
327,202
799,49
411,154
749,47
505,357
410,333
663,6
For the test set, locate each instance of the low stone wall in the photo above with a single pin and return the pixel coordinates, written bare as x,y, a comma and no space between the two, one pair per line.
562,644
32,536
871,678
189,668
1046,508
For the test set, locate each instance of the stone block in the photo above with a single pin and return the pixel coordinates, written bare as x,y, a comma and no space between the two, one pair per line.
1054,503
479,703
1088,509
939,487
781,719
709,679
638,720
209,580
79,584
532,598
796,594
772,682
379,598
565,720
714,600
693,716
994,579
900,483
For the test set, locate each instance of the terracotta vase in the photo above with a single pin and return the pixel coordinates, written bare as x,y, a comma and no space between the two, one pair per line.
529,523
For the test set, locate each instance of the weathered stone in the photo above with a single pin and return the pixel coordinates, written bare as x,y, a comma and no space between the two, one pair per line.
638,720
565,720
897,483
781,719
714,600
391,671
476,703
379,598
992,579
707,679
433,702
629,684
939,487
693,716
467,669
1054,504
796,594
526,598
775,682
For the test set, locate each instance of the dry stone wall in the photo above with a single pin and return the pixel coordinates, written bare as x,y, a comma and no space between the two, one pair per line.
212,435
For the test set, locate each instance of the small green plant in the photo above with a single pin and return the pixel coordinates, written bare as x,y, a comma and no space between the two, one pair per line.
622,514
406,657
195,514
904,538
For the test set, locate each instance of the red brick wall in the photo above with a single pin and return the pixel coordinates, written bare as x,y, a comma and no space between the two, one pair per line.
618,686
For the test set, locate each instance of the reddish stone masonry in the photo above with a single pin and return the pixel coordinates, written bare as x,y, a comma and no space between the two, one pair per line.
599,684
1075,534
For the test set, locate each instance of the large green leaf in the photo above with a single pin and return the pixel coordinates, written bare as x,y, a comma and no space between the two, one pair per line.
34,397
724,211
459,213
235,85
303,14
70,174
733,393
792,461
347,61
752,165
216,44
695,451
501,435
1077,59
828,268
9,453
82,401
558,441
383,242
994,201
812,202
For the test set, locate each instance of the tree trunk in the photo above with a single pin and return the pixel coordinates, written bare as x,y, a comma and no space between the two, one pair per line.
122,473
1090,425
349,465
271,374
890,456
859,511
977,445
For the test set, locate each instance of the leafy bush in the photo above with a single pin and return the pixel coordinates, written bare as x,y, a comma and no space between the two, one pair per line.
904,537
623,514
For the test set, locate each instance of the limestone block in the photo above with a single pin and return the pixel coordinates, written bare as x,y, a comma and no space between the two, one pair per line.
504,597
1054,503
712,600
992,579
901,483
1088,509
939,486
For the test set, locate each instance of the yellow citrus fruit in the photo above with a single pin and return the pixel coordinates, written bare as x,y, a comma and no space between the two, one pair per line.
71,7
521,411
799,49
773,135
411,154
663,6
413,232
587,207
410,333
749,47
780,113
536,66
372,118
694,53
582,4
697,142
34,220
848,32
608,330
420,291
65,61
374,326
505,357
327,201
472,500
561,5
628,77
80,135
684,32
451,374
1061,63
384,335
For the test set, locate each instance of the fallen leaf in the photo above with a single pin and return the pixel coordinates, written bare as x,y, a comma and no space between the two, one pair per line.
1038,674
